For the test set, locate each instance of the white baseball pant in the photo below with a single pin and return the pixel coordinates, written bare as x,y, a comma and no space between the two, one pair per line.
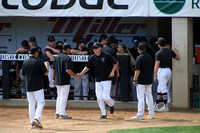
163,75
33,98
169,92
141,91
63,93
50,76
103,95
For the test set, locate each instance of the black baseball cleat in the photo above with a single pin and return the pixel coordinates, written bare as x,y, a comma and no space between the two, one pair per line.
57,116
102,117
37,123
112,109
65,117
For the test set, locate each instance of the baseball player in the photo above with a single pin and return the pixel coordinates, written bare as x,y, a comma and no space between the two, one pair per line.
34,69
104,67
23,50
61,78
81,86
33,42
49,51
103,39
109,48
162,72
143,82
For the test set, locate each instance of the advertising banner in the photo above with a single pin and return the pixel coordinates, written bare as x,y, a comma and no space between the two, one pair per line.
100,8
23,57
174,8
74,8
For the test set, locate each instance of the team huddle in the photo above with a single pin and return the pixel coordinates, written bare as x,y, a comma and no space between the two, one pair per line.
105,67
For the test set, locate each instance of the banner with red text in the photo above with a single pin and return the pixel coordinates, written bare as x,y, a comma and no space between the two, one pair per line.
13,30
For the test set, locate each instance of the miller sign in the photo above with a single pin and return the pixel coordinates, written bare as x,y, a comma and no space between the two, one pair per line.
89,27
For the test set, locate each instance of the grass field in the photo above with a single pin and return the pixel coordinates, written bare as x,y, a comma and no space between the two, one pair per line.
173,129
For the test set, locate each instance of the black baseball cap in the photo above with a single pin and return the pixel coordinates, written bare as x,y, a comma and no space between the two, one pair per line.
153,40
161,41
115,41
112,39
102,36
90,44
141,47
136,39
32,39
143,39
34,49
24,43
51,39
66,46
97,45
81,40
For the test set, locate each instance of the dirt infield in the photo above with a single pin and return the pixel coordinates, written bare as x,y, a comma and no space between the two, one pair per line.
16,120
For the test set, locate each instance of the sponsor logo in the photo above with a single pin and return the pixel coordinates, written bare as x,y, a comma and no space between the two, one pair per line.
14,57
169,6
54,5
23,57
196,4
79,58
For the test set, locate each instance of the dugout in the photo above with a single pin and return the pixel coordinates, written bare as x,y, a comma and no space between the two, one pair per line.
176,20
8,79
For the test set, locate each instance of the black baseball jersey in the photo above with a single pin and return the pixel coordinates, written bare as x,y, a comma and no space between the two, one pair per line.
61,64
144,64
165,56
109,50
34,69
134,52
103,65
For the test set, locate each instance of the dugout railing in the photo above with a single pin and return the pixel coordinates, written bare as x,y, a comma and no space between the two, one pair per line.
11,90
